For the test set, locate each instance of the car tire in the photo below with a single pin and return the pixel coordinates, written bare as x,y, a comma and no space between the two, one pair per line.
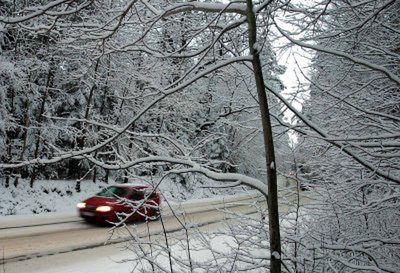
156,215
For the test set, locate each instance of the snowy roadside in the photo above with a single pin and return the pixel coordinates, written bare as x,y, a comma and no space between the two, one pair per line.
48,196
192,206
209,248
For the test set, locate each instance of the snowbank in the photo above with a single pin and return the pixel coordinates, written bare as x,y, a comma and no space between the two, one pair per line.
61,195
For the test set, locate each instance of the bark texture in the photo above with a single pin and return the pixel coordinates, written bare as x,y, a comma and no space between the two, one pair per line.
273,215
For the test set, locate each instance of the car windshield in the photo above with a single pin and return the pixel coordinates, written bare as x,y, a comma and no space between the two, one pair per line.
113,192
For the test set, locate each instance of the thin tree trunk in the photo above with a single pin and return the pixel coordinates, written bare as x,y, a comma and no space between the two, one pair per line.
39,123
8,141
94,177
8,155
24,137
273,215
8,158
102,111
81,141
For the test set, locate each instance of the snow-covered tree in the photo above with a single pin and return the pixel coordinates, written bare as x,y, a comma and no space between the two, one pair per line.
164,75
348,144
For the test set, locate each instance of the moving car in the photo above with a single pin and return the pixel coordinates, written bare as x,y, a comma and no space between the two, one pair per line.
117,202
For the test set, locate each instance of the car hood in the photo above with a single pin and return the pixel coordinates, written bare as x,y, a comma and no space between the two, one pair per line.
100,201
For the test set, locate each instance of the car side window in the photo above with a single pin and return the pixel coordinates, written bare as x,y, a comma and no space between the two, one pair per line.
113,192
150,194
136,196
153,195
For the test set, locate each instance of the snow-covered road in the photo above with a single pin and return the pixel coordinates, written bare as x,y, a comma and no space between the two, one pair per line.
110,258
63,240
23,238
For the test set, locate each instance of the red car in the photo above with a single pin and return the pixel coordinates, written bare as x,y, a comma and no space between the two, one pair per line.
118,202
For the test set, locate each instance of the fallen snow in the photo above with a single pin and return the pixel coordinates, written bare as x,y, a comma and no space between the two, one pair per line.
45,196
48,196
117,259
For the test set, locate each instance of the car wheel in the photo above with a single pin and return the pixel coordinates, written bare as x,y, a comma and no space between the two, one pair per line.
156,214
119,218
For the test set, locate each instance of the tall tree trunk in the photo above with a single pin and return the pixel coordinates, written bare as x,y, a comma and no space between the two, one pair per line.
39,123
273,214
8,157
25,136
103,107
117,123
8,137
81,141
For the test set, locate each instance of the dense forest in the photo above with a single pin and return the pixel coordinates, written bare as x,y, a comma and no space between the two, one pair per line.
97,89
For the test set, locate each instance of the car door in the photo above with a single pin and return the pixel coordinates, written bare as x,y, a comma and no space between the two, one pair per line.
136,199
152,201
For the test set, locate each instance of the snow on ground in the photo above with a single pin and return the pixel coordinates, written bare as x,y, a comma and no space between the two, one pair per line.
209,252
45,196
61,195
120,259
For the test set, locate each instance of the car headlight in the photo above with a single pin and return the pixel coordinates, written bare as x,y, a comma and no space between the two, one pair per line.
81,205
103,208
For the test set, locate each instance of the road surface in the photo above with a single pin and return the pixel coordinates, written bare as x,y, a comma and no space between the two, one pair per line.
40,243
